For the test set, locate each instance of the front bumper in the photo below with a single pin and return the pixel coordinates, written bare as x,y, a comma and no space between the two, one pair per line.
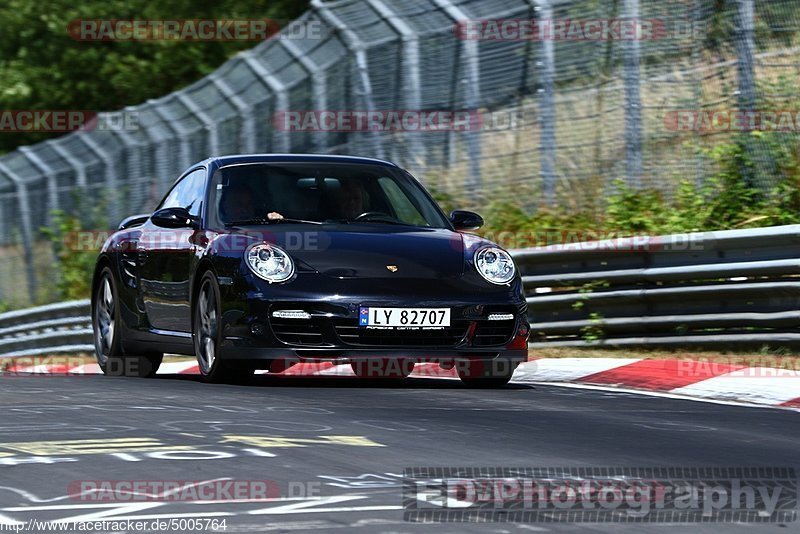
251,333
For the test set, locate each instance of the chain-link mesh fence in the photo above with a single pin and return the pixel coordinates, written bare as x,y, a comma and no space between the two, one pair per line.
562,117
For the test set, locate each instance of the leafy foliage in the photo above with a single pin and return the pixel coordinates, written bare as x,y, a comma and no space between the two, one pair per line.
726,200
42,68
75,258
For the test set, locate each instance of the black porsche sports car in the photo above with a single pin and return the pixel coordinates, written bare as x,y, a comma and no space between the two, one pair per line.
262,261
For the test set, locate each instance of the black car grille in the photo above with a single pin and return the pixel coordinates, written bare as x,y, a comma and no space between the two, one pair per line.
351,334
319,331
297,331
490,333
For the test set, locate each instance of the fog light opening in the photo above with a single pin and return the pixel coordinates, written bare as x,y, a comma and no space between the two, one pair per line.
257,329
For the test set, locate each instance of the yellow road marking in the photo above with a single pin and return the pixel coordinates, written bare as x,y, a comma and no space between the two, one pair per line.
90,446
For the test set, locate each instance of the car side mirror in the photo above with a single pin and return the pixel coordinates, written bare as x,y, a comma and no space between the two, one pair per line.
465,220
174,218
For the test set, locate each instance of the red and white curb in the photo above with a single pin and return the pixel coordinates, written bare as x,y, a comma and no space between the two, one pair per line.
698,380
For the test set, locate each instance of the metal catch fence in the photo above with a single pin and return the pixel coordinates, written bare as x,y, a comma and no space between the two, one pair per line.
561,117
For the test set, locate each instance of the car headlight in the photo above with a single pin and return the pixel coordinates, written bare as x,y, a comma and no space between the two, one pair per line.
495,265
269,262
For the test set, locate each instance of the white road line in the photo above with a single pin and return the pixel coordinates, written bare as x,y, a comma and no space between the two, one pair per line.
307,506
113,514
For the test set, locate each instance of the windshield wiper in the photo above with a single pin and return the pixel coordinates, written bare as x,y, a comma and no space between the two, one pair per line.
264,221
381,221
365,220
377,219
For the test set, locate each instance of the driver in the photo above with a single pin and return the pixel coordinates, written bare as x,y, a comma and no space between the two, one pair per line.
237,204
348,200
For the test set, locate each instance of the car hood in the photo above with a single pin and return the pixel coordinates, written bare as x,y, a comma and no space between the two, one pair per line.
372,252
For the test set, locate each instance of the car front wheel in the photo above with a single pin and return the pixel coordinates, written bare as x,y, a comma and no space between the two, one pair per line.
108,336
207,329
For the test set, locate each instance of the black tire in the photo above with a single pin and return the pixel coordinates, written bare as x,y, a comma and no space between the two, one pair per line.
107,335
105,318
385,368
207,332
486,374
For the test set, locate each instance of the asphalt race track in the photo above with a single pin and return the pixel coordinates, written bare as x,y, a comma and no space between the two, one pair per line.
341,444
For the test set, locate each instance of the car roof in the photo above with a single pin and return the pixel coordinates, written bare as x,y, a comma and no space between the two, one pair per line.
237,159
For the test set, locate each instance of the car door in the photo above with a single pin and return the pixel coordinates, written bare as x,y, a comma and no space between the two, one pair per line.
165,256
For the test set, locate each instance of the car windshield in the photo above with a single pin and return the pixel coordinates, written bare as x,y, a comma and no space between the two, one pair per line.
267,193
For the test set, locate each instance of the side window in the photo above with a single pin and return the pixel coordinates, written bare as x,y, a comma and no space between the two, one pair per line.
188,193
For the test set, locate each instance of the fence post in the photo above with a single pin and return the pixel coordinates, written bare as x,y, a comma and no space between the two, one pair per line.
357,47
759,172
113,208
410,65
547,106
27,229
319,92
184,157
49,173
633,101
133,161
281,139
208,123
247,136
696,78
744,54
472,96
79,166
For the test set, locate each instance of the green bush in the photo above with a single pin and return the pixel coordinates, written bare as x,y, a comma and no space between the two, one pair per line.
75,261
726,200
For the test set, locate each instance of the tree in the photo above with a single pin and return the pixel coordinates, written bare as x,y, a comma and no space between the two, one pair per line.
43,68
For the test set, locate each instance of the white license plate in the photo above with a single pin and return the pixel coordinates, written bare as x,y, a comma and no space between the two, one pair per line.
404,317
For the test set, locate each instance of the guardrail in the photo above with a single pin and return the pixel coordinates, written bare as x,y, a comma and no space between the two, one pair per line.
737,287
64,327
734,287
